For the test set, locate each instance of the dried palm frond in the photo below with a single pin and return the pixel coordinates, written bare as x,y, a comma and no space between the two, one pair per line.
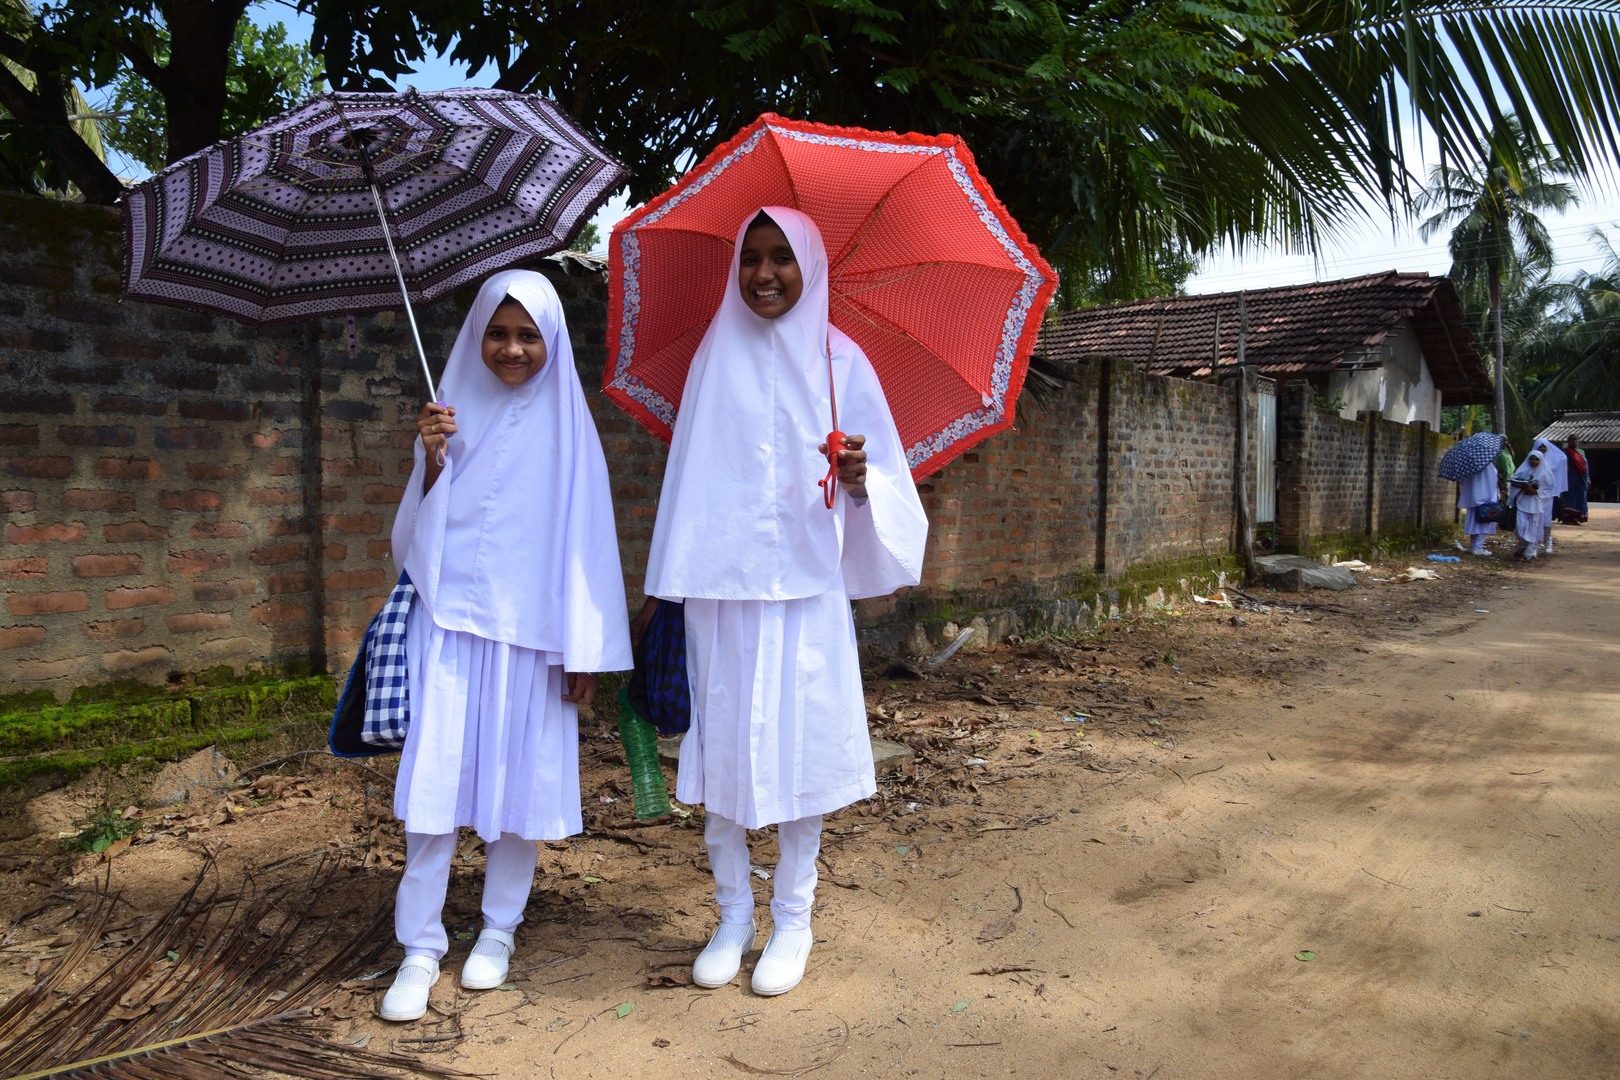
222,987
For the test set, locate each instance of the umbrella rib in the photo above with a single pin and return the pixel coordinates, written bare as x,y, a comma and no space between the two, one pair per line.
855,242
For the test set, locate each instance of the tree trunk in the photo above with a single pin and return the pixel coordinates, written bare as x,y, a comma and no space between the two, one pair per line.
45,108
193,82
1500,369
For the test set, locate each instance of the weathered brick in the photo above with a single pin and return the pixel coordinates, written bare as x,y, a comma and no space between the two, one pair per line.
46,670
23,569
278,554
62,533
127,469
379,549
221,354
270,382
113,629
274,496
334,552
193,501
96,436
133,659
351,467
32,339
288,526
214,410
288,584
126,532
107,565
382,493
174,438
357,579
19,435
39,403
37,468
201,470
46,603
349,410
198,621
118,599
192,379
280,412
273,612
197,562
334,494
394,440
88,374
18,502
20,637
219,530
352,523
211,592
286,466
100,502
129,347
131,406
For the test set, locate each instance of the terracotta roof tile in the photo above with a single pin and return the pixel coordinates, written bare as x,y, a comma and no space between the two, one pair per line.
1292,329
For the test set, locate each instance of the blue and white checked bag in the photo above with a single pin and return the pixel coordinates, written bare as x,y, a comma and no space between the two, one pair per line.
388,705
374,713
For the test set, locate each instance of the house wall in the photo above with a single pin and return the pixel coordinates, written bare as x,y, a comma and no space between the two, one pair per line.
1401,388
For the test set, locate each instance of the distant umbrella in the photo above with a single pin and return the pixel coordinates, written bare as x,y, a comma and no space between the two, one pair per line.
356,202
1470,456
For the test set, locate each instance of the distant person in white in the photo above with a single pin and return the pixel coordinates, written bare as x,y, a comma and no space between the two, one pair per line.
1558,465
767,572
1532,495
512,548
1475,491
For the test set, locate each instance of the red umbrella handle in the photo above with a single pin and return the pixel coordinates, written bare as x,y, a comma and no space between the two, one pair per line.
835,438
835,441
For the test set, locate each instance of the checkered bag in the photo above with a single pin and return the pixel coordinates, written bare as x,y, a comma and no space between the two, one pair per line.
388,707
658,689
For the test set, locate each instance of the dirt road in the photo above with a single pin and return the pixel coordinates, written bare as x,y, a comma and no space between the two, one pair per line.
1380,842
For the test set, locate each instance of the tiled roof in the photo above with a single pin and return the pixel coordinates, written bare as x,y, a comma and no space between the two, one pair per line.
1292,329
1590,427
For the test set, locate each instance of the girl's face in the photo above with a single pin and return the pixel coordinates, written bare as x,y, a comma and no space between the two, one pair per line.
767,272
513,348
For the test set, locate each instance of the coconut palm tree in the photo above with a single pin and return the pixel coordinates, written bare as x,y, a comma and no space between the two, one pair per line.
1493,209
1583,367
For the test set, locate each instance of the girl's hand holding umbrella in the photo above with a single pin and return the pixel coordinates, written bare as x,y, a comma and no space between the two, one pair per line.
435,423
851,465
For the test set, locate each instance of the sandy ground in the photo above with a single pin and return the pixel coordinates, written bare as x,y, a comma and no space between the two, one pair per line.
1374,838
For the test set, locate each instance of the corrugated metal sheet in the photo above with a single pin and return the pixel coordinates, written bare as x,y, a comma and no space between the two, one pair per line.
1592,428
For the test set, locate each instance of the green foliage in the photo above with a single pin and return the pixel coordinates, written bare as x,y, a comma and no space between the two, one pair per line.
1336,402
103,833
588,240
266,74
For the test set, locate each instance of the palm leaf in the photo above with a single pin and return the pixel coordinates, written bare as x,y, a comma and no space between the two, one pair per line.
223,986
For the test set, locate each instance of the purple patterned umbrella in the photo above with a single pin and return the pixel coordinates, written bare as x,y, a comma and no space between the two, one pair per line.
358,202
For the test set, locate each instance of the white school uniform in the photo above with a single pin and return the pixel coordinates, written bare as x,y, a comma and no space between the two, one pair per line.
767,571
515,559
1473,491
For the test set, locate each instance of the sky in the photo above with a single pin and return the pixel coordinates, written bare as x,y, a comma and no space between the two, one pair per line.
1372,245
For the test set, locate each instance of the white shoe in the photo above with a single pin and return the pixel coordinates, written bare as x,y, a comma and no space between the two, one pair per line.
486,965
781,965
407,999
721,959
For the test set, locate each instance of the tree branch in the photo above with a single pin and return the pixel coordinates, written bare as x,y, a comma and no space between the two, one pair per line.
45,109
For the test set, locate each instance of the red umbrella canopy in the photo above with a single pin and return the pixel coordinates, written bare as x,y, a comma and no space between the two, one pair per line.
929,274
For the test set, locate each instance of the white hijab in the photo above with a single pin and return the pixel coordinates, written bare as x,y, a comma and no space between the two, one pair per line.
516,542
741,515
1556,460
1541,474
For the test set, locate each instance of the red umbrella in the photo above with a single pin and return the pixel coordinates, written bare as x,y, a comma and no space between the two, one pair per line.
929,274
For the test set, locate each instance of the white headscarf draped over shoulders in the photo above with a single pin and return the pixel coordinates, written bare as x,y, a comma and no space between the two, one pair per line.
1557,461
1541,474
741,515
516,542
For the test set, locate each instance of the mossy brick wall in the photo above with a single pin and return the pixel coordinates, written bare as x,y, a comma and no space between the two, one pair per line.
182,491
1354,478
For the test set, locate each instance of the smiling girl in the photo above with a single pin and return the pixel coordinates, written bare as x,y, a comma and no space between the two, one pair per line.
511,546
767,572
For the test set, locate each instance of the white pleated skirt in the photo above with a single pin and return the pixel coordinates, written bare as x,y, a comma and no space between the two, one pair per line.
778,719
492,746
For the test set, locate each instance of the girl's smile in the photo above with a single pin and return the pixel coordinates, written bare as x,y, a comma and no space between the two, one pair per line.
512,347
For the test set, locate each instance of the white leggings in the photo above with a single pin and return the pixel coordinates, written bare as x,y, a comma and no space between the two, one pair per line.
419,906
795,893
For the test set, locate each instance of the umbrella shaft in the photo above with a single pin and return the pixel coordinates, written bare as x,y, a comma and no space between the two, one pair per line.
404,292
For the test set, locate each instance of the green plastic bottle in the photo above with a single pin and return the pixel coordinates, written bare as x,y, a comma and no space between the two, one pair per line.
640,742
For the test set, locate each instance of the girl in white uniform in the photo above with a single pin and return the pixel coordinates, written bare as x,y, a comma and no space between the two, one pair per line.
519,598
767,572
1477,489
1533,491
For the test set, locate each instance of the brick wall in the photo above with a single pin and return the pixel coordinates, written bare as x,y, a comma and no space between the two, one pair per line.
183,492
1353,480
